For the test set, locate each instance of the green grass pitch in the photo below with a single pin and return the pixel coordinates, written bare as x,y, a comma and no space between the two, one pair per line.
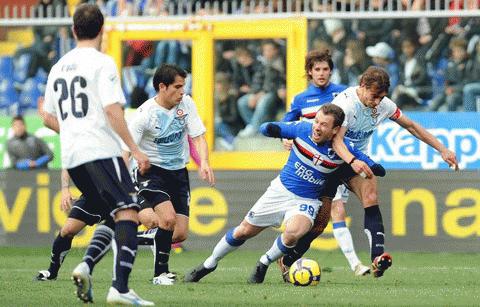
415,279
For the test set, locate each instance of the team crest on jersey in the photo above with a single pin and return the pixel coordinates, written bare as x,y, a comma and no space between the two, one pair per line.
317,159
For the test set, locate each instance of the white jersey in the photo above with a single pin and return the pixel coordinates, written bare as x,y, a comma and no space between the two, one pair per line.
360,120
79,86
162,134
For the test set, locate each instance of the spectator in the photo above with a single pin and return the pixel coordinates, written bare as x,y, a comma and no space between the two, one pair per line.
354,63
228,122
382,55
268,89
415,84
451,98
26,151
471,90
244,66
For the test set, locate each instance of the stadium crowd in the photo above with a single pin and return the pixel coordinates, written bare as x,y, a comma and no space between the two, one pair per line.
433,63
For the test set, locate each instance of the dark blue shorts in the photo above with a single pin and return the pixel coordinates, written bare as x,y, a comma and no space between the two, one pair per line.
159,185
105,183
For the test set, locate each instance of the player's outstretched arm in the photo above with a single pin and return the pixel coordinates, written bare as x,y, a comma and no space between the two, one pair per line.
423,135
205,171
358,166
280,130
115,116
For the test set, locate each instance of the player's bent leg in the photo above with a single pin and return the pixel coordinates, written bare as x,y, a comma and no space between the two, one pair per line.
366,190
99,245
344,238
296,226
232,240
163,242
60,248
303,244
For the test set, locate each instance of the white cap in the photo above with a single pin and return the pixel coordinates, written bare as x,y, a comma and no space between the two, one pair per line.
332,25
380,50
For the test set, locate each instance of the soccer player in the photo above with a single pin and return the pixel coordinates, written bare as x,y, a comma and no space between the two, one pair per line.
160,127
365,107
81,214
83,91
293,196
318,69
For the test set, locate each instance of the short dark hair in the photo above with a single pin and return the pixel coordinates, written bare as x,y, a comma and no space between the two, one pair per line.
166,74
87,21
18,117
315,56
335,111
375,77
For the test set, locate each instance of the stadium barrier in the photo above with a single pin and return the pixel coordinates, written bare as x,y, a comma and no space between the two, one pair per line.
422,210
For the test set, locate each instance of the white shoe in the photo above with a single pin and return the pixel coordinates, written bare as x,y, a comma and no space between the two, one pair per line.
44,275
164,279
129,298
83,280
361,270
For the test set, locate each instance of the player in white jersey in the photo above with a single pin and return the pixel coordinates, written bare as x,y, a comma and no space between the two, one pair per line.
160,127
365,107
83,91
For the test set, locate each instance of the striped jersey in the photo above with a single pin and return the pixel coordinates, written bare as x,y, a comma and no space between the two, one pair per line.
360,120
306,104
309,164
162,134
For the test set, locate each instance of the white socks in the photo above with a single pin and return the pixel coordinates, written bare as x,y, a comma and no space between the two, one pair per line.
344,239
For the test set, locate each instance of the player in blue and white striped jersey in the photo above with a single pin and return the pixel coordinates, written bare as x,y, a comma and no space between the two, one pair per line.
318,69
293,197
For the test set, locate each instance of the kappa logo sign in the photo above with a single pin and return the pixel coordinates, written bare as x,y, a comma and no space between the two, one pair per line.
395,147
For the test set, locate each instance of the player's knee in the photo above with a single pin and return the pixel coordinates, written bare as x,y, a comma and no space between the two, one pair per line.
168,221
150,223
68,231
290,238
370,198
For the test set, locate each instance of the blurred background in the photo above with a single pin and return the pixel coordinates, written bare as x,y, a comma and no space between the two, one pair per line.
232,49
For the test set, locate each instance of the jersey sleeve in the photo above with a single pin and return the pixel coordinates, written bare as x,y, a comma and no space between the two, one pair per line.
294,113
49,99
393,111
285,130
109,87
195,125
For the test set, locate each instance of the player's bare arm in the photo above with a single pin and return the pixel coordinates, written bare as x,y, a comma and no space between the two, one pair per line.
423,135
341,149
66,203
205,171
116,119
49,120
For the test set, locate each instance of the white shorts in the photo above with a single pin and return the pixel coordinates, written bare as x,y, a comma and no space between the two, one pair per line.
342,193
278,204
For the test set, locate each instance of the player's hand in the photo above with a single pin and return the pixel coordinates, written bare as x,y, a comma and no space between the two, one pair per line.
206,173
66,203
362,169
450,157
287,144
142,161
